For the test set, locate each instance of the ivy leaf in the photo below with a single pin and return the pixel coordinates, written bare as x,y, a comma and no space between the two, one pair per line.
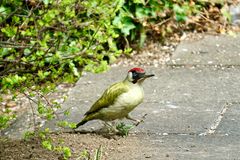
127,26
46,2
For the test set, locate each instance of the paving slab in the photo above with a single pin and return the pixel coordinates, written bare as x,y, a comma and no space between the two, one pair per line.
210,50
230,123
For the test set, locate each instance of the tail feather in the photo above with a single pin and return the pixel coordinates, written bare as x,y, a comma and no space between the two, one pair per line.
81,123
85,120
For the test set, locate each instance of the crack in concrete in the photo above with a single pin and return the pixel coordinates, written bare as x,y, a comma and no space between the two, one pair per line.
218,66
218,120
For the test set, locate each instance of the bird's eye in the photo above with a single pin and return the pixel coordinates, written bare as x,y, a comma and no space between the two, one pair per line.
134,75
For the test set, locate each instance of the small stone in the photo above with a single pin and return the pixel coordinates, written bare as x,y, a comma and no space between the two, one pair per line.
148,156
165,47
165,134
89,82
11,104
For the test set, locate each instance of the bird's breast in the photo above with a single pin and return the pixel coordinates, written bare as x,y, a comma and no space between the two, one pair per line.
131,98
124,104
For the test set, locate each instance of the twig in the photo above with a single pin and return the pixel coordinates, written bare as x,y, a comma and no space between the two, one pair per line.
30,98
76,55
47,101
49,104
33,114
207,19
162,22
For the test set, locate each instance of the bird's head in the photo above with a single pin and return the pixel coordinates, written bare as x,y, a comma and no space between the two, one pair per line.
137,75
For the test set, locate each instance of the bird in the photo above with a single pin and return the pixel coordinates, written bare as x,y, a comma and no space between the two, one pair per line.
119,99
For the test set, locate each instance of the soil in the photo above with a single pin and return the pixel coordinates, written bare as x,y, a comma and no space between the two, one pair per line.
83,146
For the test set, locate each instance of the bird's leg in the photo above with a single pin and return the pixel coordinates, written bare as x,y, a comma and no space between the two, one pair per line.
107,124
110,126
133,119
136,120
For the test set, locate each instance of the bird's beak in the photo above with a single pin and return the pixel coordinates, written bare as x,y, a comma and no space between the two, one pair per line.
147,76
143,77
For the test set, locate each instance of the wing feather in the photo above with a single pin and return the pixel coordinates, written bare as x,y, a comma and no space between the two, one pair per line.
108,97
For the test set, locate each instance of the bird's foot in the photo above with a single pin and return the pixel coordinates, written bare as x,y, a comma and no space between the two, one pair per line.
137,120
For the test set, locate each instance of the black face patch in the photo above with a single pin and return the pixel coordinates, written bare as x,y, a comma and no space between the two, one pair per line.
136,76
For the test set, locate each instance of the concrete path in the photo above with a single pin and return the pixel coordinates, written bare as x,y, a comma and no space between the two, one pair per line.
193,103
193,109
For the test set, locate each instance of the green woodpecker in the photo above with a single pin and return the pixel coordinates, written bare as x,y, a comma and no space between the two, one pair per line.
119,99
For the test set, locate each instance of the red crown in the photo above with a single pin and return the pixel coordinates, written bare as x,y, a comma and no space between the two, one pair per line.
139,70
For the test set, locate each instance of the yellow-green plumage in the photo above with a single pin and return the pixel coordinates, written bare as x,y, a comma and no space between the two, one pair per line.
117,101
108,97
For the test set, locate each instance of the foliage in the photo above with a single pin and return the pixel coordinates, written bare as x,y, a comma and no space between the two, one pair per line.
44,43
5,117
124,128
136,18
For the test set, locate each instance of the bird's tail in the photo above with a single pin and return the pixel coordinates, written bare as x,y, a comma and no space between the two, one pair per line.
85,120
81,123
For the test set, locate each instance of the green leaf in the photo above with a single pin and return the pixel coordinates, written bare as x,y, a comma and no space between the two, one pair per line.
47,144
5,118
124,128
98,154
142,12
62,123
26,52
41,108
9,31
67,152
72,125
46,2
127,26
180,13
67,113
40,53
4,10
74,69
139,1
28,135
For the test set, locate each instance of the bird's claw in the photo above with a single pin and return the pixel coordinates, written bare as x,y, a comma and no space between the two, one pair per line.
138,122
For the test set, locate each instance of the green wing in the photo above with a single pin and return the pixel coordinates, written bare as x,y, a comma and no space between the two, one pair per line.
108,97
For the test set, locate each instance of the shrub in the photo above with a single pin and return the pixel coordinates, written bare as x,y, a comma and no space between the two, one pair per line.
47,42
